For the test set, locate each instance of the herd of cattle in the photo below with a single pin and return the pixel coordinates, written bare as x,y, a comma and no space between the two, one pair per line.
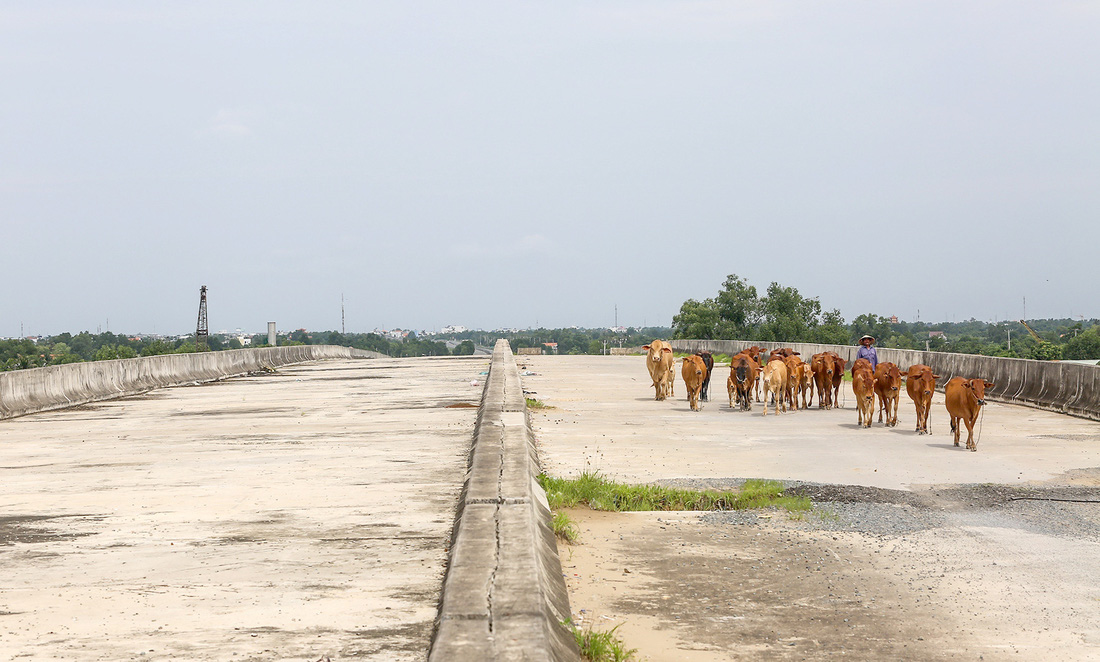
787,379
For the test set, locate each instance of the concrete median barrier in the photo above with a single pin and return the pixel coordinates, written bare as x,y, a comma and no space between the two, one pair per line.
54,387
504,597
1068,388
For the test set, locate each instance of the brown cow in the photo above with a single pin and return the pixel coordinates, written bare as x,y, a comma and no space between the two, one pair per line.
793,381
838,376
694,372
741,380
888,390
821,365
775,383
920,383
708,361
660,364
863,385
965,398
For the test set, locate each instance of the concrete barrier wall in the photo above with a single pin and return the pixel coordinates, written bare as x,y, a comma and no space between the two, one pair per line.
1068,388
53,387
504,597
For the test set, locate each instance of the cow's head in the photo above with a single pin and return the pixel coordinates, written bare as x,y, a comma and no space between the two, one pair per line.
978,386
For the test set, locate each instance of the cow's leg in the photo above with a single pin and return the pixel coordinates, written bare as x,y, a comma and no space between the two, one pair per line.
970,443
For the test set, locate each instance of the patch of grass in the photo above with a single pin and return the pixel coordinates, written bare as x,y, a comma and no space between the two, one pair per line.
536,404
597,646
564,527
598,493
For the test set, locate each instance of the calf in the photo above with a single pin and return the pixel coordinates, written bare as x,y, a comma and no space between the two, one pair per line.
775,383
821,365
888,390
694,372
863,385
660,364
965,398
920,383
708,361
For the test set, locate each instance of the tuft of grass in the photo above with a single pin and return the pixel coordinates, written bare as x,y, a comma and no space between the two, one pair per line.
564,527
597,646
536,404
598,493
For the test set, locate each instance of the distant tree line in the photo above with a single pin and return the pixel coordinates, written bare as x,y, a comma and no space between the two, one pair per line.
782,314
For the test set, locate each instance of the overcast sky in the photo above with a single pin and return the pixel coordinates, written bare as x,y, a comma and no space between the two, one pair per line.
499,164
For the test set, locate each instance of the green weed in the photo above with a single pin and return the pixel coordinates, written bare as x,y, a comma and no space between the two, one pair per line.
564,527
599,646
598,493
536,404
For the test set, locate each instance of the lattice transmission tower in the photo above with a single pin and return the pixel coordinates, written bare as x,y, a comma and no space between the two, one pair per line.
202,330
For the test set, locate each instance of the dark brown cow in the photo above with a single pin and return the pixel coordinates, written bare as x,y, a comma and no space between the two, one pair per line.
888,390
920,383
694,372
863,385
965,398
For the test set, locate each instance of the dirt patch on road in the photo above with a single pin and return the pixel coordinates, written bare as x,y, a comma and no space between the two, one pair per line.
683,591
897,576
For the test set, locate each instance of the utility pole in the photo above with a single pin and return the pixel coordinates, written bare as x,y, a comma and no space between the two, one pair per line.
1010,340
202,329
342,330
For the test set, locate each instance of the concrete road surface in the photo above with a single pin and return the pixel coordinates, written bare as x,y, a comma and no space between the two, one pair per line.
293,515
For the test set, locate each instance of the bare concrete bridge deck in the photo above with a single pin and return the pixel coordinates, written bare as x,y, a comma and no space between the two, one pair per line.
291,515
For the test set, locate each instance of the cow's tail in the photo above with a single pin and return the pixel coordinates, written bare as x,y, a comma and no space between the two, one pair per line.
952,425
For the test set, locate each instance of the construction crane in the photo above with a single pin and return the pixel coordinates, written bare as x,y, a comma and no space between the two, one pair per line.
1032,332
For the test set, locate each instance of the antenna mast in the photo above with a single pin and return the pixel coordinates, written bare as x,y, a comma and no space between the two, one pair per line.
342,330
202,330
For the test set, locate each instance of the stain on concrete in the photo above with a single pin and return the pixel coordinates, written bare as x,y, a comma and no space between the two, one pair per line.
23,529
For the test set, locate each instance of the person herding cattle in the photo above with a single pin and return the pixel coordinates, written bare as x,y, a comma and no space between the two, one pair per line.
867,351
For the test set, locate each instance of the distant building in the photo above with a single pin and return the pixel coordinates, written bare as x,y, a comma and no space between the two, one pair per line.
893,319
455,328
937,334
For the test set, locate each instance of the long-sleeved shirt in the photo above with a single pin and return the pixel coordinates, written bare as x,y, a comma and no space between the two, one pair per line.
868,353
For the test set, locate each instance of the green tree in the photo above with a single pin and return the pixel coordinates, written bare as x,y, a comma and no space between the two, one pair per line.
739,309
696,319
464,348
1045,352
832,330
1085,345
787,315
